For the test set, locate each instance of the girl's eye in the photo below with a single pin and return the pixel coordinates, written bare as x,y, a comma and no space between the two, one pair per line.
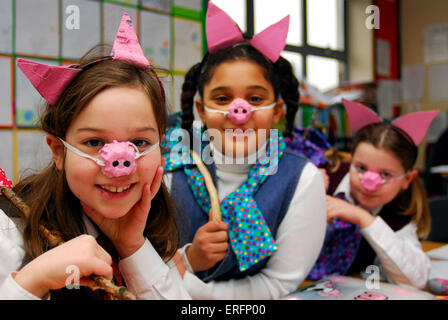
94,143
255,99
361,168
221,99
385,175
140,143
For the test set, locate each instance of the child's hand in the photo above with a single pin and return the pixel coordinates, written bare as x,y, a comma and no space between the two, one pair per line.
209,246
126,233
338,208
49,270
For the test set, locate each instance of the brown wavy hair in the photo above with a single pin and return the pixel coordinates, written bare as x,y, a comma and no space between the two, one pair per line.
412,201
47,193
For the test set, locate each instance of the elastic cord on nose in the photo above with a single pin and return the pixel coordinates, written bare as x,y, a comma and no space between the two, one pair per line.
239,110
110,161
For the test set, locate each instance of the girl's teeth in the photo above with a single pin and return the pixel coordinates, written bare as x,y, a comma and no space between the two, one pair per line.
115,189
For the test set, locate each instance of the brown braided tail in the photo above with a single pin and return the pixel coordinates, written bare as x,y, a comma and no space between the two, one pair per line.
114,292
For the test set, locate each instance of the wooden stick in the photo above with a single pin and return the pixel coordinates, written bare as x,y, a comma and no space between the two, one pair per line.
215,213
54,239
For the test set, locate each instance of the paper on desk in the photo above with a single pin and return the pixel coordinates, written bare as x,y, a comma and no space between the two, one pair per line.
439,169
439,269
439,253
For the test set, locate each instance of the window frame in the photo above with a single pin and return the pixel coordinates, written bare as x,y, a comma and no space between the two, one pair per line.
305,49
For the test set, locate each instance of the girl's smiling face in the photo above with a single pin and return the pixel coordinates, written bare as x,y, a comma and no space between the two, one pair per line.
367,157
246,80
117,113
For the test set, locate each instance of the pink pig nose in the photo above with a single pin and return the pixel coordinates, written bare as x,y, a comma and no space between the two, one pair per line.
240,111
371,180
119,159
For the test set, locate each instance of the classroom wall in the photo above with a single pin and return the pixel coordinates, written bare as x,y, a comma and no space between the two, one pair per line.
170,32
360,50
416,15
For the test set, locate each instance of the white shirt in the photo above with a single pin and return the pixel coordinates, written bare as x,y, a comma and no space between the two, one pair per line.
145,273
299,240
399,253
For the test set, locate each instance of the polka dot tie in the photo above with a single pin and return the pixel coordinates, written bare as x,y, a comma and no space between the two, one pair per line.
250,237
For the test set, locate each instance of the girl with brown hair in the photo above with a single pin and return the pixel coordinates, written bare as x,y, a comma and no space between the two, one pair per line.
104,119
378,210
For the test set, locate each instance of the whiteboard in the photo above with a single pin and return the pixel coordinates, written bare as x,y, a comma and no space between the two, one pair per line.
155,39
37,28
28,100
33,152
6,116
6,156
163,5
112,15
178,82
187,43
189,4
134,2
6,26
76,42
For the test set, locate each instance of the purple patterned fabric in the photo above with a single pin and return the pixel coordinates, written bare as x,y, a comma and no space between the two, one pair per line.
311,148
339,250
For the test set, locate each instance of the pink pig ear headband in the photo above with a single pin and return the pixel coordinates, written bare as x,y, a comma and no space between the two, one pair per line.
415,124
412,126
51,81
222,33
116,158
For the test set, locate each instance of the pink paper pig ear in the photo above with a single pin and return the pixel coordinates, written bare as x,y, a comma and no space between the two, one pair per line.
272,40
222,32
416,124
359,115
49,81
4,182
126,46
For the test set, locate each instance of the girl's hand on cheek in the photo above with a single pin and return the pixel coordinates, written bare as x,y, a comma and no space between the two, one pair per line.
50,271
126,233
337,208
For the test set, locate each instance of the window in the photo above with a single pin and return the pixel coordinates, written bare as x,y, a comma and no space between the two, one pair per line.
236,9
316,43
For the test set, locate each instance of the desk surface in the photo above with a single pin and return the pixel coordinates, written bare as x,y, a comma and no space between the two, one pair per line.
430,245
426,245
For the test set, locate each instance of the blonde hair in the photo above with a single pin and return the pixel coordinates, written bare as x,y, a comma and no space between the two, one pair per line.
336,158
